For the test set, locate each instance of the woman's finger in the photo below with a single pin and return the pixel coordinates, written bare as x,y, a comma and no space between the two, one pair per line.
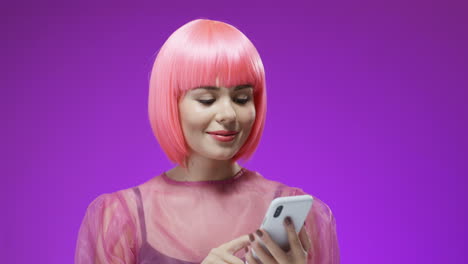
225,257
272,246
305,239
250,259
228,258
294,242
237,244
262,255
225,252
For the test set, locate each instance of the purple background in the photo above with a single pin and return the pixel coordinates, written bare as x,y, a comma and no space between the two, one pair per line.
367,111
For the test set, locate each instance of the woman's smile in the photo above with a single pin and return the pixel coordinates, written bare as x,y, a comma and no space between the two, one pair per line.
223,135
223,138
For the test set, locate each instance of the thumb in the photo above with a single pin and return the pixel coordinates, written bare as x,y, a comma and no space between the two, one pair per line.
237,244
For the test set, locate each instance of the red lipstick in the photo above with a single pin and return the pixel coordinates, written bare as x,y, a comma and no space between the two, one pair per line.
223,135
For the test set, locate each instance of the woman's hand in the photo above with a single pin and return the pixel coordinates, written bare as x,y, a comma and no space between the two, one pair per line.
297,254
225,252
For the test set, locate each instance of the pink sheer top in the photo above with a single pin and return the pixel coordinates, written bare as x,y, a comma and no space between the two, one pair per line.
171,222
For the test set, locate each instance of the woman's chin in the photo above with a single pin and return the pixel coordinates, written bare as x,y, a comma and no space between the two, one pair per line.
222,156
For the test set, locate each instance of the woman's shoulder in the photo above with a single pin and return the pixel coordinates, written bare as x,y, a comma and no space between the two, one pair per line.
115,204
281,188
128,196
110,198
318,205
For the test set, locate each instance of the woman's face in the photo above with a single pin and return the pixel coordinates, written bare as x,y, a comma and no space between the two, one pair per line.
216,121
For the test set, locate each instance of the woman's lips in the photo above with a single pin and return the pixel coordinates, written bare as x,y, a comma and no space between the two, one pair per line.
223,138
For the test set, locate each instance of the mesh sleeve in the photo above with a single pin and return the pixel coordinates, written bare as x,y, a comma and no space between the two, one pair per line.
107,233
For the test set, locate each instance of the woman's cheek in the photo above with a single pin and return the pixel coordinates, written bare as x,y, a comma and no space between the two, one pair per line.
252,116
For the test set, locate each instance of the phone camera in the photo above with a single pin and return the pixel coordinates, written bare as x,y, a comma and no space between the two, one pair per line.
278,211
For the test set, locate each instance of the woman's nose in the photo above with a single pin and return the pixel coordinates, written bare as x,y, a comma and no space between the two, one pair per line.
226,112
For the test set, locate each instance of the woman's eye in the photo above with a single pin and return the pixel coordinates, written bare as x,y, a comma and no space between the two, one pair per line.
236,100
207,101
242,100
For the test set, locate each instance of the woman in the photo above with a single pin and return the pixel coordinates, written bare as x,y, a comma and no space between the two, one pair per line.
207,107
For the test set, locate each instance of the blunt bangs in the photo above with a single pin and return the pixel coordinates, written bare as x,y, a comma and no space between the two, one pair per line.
197,54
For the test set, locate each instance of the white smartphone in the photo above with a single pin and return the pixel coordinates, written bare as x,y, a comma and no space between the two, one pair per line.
296,207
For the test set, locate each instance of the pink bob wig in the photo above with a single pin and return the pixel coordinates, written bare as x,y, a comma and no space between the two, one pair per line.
195,55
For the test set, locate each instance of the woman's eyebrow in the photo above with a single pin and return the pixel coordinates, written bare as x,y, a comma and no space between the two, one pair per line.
214,88
243,86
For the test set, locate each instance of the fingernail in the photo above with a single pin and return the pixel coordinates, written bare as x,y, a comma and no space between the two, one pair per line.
259,233
287,220
251,237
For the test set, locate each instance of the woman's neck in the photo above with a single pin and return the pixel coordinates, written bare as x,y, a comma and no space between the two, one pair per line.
203,169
